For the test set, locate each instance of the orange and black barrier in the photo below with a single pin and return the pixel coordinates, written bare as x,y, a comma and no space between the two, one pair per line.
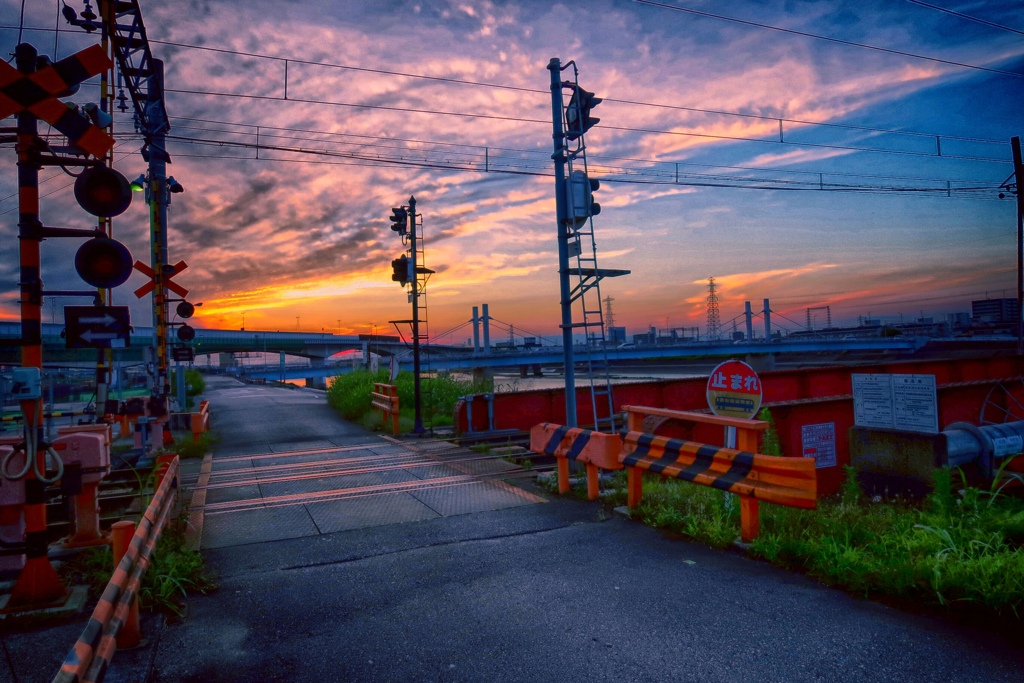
385,399
784,481
114,622
595,449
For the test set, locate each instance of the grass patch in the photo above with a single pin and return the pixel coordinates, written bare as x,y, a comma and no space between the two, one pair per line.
349,395
187,447
174,573
960,549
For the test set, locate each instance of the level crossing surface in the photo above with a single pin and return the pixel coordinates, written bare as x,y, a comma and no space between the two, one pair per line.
397,582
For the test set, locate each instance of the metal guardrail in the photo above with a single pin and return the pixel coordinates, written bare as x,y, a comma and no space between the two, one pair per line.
90,657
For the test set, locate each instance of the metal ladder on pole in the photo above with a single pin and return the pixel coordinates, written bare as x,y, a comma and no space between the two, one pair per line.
586,291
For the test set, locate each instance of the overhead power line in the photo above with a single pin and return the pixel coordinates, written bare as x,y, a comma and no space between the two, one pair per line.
613,175
839,41
546,93
516,119
968,17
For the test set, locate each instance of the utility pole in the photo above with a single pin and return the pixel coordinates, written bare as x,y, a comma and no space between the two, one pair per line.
418,424
155,153
561,215
1018,172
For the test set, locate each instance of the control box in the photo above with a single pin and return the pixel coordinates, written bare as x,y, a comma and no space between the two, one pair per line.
26,384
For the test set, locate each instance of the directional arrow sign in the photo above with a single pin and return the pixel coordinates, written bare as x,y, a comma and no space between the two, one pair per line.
151,285
97,327
37,94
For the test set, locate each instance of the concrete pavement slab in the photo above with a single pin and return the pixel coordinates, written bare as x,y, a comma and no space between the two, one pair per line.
368,511
257,525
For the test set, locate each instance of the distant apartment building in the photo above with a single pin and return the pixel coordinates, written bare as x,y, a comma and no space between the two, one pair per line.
1003,311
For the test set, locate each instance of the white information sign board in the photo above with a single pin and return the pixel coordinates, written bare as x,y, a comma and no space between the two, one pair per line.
872,400
907,402
819,442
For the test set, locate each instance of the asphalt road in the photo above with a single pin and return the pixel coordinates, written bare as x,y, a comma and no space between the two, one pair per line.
559,591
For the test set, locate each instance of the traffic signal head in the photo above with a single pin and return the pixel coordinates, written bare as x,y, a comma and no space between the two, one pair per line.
103,262
103,192
581,204
185,310
400,266
400,220
577,114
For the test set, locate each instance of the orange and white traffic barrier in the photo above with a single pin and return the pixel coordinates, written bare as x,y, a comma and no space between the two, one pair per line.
595,449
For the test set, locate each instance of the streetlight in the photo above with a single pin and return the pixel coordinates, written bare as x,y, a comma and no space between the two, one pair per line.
243,321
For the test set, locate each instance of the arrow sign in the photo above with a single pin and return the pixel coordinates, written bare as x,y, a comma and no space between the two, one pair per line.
97,327
168,284
37,94
103,321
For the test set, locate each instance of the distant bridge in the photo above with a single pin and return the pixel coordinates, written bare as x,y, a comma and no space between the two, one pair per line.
319,346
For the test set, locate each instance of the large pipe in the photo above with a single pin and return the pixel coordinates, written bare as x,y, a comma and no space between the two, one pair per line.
966,443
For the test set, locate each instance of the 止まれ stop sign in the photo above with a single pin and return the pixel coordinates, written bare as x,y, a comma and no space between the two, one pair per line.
734,390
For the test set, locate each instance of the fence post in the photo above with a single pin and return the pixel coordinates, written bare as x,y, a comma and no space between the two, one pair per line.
130,635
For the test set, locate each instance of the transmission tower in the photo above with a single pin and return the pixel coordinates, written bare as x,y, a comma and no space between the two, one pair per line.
713,321
609,317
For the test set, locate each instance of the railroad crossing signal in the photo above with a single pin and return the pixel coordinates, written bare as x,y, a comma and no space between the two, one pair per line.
97,327
103,192
168,272
103,263
37,94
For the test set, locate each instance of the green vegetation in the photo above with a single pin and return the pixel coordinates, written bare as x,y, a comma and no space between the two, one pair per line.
174,573
349,394
960,548
187,447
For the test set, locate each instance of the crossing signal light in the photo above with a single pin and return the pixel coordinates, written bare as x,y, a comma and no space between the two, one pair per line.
581,197
185,310
399,220
577,114
104,263
186,333
103,192
400,266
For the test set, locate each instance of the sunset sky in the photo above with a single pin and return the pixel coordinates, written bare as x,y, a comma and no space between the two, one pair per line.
449,101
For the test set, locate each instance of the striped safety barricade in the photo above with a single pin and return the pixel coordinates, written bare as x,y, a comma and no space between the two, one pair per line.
114,621
785,481
594,449
385,399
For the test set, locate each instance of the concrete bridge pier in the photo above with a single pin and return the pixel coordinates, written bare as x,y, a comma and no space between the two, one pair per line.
537,372
317,382
482,374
